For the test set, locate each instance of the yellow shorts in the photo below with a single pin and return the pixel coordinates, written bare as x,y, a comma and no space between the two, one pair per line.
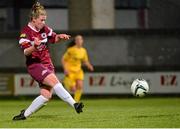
70,80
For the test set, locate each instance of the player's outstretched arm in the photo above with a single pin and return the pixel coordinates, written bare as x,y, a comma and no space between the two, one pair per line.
89,65
60,37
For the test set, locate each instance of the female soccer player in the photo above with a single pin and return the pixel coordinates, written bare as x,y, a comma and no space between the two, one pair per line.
72,61
34,41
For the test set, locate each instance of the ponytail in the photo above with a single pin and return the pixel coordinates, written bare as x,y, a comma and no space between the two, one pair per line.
37,10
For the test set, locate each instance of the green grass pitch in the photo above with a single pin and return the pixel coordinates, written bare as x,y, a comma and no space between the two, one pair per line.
99,113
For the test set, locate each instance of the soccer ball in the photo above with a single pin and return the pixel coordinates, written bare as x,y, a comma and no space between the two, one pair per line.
139,87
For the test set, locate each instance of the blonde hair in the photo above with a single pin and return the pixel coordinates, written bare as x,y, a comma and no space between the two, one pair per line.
37,10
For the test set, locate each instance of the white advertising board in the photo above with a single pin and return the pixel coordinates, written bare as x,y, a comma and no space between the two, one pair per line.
26,85
109,83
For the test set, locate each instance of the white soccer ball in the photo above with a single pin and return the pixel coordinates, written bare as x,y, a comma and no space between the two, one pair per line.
140,87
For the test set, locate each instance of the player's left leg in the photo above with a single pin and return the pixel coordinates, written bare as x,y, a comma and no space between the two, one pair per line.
79,90
79,85
69,82
38,103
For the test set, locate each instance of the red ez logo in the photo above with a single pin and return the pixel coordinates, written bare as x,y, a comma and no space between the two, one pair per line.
169,80
27,82
97,80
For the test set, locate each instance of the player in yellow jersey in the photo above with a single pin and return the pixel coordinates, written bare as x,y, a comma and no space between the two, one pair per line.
72,61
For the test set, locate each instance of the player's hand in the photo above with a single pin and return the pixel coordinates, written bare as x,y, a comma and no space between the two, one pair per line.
91,68
63,36
66,72
37,42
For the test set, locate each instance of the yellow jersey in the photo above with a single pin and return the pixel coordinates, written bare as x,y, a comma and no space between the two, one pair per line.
74,57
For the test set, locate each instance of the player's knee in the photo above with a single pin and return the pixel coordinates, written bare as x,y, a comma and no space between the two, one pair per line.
79,85
51,80
47,94
72,88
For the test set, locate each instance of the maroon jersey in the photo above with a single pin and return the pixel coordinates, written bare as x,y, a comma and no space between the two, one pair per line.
42,55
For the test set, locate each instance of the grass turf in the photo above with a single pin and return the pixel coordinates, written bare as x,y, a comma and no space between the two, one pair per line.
99,113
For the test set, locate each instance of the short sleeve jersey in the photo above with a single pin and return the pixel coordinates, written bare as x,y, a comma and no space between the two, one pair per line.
41,55
74,57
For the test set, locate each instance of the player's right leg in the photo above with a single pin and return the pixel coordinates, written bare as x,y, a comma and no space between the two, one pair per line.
53,81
